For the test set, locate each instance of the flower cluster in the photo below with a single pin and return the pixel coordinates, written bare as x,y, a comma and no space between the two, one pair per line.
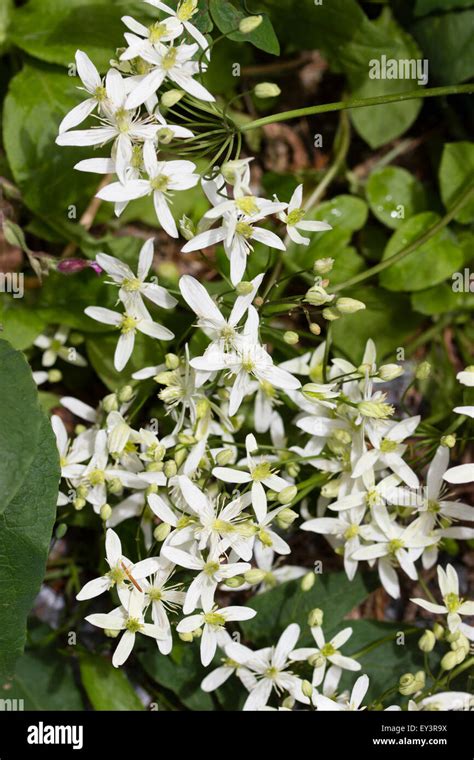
218,494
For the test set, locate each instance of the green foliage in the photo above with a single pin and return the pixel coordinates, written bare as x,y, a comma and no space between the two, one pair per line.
394,195
44,680
107,687
455,176
227,17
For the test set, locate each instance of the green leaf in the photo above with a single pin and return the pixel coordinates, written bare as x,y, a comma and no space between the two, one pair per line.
181,672
101,349
45,682
388,320
436,300
227,17
394,195
287,603
429,264
423,7
20,325
37,100
107,687
447,41
21,422
456,173
25,533
52,30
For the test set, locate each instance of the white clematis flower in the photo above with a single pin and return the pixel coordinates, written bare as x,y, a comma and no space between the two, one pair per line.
453,605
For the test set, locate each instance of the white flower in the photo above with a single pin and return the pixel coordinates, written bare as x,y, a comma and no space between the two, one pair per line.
466,377
259,473
354,702
220,675
213,621
463,473
388,450
72,456
347,528
326,652
185,10
92,82
294,219
145,37
55,346
270,666
133,286
123,574
128,620
173,63
163,598
135,318
164,177
453,605
211,572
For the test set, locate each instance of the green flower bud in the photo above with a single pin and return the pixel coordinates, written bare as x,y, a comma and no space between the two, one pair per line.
202,408
110,403
331,314
377,410
170,468
331,489
55,376
448,440
315,328
407,684
288,703
125,394
315,617
317,296
254,576
286,518
323,266
80,429
187,637
170,98
286,495
235,582
308,581
81,492
180,455
197,633
291,338
161,532
224,457
249,24
186,227
244,288
389,372
114,486
105,512
154,467
306,688
61,530
272,495
427,641
316,660
423,371
151,489
449,661
349,305
172,361
186,439
165,135
293,469
438,631
75,339
111,634
79,504
266,90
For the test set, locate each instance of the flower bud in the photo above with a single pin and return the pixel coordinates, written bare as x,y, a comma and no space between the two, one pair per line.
291,338
389,372
165,135
349,305
293,469
330,490
323,266
114,486
423,371
448,440
254,576
154,467
161,532
427,641
331,314
377,410
438,631
170,468
186,227
111,634
110,403
306,688
151,489
125,394
286,495
170,98
224,457
286,518
308,581
187,637
449,661
81,492
316,660
79,504
315,617
171,361
266,90
315,328
288,703
410,684
244,288
55,376
461,643
317,296
105,512
249,24
180,456
235,582
80,429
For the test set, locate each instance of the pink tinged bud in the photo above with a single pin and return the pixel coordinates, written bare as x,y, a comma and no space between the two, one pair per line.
73,266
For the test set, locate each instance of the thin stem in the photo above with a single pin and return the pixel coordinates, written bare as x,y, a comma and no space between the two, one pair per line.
342,105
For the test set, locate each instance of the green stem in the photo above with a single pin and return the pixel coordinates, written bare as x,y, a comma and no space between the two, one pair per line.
342,105
463,199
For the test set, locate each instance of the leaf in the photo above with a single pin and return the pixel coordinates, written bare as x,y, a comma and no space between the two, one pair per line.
37,100
63,299
52,30
107,687
447,41
25,533
436,300
287,603
101,349
388,320
21,422
6,8
227,18
456,173
45,682
181,672
423,7
427,265
392,189
20,325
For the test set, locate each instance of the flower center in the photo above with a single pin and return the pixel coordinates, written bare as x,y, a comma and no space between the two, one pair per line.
211,568
265,538
160,183
373,498
295,216
186,9
100,93
248,364
387,446
271,672
155,594
394,545
116,575
261,471
433,506
328,650
96,477
132,285
213,618
128,323
244,229
247,204
122,119
352,531
452,602
156,31
169,60
221,526
133,625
